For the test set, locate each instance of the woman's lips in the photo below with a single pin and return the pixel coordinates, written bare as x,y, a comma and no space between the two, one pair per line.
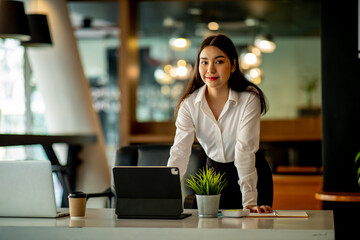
211,78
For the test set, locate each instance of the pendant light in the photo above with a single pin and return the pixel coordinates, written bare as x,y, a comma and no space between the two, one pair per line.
180,43
39,29
250,57
13,21
265,43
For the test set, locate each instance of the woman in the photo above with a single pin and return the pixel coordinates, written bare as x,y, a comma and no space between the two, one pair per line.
223,109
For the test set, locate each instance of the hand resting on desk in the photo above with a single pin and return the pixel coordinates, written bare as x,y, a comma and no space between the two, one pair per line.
259,209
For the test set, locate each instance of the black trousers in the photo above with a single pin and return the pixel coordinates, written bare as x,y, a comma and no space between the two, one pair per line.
231,197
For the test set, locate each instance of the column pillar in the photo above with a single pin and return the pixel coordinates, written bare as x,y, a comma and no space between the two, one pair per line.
66,93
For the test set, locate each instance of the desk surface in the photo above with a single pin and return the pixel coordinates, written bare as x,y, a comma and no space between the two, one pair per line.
100,223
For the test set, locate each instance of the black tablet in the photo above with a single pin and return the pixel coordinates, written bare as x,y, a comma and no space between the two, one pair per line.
148,192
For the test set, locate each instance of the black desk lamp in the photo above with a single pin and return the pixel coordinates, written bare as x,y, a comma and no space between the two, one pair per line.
13,21
39,29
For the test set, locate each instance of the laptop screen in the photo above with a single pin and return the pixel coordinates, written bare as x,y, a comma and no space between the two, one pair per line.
26,189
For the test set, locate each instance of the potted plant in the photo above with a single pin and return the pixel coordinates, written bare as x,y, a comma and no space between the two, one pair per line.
357,165
309,85
208,185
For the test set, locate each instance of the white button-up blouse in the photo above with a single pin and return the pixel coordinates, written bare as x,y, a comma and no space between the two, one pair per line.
234,137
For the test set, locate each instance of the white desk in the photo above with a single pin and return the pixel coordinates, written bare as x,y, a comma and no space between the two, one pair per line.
103,224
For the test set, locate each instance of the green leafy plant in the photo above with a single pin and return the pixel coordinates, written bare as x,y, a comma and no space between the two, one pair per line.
309,85
207,182
357,164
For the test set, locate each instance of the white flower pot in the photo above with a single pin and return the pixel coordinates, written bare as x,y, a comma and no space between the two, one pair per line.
208,205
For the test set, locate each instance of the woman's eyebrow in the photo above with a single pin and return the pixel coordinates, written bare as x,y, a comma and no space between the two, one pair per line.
220,56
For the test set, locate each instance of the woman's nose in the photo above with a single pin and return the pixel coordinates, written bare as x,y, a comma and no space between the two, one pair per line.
211,68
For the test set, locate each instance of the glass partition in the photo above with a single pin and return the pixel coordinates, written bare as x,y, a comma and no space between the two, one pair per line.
96,29
22,109
289,75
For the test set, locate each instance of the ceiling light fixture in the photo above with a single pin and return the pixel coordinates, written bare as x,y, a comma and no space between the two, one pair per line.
179,40
254,75
213,26
250,58
255,72
265,43
180,43
39,29
13,21
162,77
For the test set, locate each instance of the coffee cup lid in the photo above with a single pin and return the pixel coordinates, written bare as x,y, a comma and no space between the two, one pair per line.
77,195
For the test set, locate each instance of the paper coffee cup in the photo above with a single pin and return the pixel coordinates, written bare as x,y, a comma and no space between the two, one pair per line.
77,204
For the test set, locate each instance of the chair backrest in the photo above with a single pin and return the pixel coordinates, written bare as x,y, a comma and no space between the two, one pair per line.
158,155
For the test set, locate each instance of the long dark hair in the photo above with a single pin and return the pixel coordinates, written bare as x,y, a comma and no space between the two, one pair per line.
237,80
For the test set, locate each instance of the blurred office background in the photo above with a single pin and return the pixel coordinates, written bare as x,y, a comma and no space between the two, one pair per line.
135,106
290,75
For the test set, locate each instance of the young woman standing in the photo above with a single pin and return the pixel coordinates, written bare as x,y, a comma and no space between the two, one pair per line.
222,108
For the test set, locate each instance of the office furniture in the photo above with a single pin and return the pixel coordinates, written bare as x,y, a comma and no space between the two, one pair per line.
296,191
103,223
338,196
66,173
158,155
304,129
293,149
344,205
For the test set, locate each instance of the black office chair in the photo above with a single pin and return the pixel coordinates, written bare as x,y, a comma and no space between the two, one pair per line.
158,155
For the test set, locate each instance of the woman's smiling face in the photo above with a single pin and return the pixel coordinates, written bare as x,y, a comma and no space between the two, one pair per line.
215,67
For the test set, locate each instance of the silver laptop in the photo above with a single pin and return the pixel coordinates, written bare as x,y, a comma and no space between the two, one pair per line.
27,190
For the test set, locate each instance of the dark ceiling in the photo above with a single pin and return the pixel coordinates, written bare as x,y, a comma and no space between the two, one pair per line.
276,17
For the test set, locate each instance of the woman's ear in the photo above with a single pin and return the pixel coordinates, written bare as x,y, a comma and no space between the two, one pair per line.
233,66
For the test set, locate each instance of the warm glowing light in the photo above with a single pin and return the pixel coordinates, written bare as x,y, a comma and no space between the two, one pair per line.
181,71
255,72
257,80
167,68
173,72
162,77
250,58
181,62
213,26
244,65
256,51
180,44
169,73
265,44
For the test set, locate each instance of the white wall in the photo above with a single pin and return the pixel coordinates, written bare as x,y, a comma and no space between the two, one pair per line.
66,93
284,71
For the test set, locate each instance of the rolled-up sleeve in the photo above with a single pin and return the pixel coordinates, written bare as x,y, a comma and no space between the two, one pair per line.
247,143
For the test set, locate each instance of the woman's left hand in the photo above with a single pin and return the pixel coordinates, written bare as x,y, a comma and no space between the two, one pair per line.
259,209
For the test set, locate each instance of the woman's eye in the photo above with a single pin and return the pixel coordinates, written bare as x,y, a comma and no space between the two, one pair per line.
203,62
219,61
